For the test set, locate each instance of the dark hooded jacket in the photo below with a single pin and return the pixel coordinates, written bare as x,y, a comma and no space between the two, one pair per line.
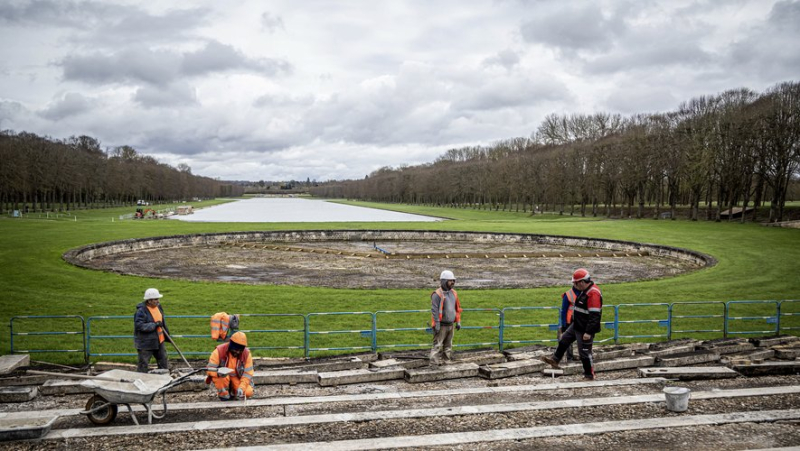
145,332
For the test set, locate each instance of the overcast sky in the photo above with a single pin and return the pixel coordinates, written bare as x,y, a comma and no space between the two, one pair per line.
334,89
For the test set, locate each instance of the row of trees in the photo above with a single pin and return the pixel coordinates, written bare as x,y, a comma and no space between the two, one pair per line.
738,148
42,174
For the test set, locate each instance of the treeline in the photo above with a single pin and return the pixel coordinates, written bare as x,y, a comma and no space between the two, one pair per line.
738,148
42,174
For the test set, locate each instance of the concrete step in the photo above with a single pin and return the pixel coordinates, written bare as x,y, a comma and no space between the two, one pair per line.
60,387
353,363
18,394
689,358
101,367
24,380
430,374
572,368
335,378
285,376
9,363
769,368
405,363
683,349
533,355
787,352
772,341
508,369
730,347
486,358
687,374
611,352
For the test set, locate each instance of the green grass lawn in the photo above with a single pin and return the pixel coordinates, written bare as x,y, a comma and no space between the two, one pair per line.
755,263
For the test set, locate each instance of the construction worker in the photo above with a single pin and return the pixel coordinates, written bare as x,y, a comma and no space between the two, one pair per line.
445,315
588,311
567,310
149,326
234,355
222,324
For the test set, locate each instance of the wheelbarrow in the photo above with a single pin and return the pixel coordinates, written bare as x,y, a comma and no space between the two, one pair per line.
118,387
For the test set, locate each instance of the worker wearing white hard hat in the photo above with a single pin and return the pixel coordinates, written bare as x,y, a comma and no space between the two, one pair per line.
150,331
445,316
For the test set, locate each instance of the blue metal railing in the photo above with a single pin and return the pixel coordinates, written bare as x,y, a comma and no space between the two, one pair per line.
527,323
81,332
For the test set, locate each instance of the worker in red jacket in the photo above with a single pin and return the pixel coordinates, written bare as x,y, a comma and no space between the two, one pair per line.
587,314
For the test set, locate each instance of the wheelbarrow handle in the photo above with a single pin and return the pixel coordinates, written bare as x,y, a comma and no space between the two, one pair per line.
80,376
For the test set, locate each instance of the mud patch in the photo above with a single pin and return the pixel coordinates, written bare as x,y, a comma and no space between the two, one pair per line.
386,259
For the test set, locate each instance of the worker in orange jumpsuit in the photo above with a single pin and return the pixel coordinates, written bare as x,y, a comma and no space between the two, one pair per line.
234,355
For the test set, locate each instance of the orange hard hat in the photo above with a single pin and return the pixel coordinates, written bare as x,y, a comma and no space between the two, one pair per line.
580,274
239,338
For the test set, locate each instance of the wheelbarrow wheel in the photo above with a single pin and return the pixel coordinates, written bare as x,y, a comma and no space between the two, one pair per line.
101,416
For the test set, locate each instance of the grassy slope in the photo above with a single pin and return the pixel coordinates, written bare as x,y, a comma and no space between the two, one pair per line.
755,262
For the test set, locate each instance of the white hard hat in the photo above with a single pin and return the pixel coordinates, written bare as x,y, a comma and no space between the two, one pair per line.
152,293
447,275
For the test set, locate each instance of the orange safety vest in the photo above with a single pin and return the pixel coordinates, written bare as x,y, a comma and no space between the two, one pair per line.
219,326
156,313
244,365
440,292
571,297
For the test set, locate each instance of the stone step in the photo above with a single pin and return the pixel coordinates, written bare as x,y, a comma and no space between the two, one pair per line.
732,348
686,374
508,369
611,352
756,356
772,341
488,358
689,358
430,374
10,362
683,349
662,345
60,387
535,349
24,380
769,368
786,352
354,363
18,394
285,376
404,363
101,367
360,376
625,363
533,355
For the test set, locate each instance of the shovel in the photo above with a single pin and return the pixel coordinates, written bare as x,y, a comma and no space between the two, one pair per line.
137,382
176,347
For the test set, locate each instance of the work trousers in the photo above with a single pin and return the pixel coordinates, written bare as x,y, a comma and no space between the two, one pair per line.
145,355
442,349
568,337
232,383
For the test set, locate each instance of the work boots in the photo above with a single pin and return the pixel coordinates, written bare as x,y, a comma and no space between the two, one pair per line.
550,361
588,369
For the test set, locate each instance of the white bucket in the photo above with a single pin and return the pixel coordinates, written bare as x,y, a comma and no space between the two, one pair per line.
677,398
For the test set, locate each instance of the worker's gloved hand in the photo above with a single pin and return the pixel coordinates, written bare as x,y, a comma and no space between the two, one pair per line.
240,393
159,324
208,380
436,328
458,326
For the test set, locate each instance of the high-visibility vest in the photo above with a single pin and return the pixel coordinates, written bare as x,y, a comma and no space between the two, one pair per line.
156,314
571,297
244,365
219,325
440,292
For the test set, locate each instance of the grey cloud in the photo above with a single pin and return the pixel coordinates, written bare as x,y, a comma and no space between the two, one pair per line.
71,104
55,12
764,51
574,28
273,100
161,67
510,92
171,96
271,23
132,65
505,58
217,57
661,54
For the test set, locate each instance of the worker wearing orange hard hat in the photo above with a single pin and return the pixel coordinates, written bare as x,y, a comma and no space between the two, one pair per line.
587,313
235,356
